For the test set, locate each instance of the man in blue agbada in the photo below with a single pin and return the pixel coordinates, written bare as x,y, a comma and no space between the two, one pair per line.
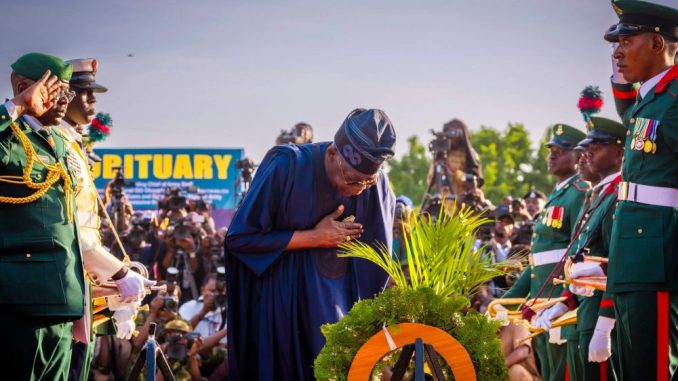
284,277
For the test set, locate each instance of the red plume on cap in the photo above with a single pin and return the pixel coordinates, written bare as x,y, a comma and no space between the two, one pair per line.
590,101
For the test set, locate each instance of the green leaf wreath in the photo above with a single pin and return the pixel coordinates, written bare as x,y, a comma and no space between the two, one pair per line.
445,269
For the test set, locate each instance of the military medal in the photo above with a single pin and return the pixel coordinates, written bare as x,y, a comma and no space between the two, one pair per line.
645,135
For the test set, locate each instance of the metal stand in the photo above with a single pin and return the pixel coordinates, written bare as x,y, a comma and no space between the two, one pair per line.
422,353
153,358
441,179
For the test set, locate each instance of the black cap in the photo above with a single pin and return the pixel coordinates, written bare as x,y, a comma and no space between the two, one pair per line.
366,139
642,16
534,194
503,211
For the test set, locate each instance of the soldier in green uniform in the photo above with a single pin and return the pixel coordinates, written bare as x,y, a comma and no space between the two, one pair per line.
41,273
552,231
643,269
595,315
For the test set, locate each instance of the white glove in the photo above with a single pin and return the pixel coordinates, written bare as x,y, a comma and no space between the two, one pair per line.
133,286
545,316
501,314
600,347
584,269
124,322
554,336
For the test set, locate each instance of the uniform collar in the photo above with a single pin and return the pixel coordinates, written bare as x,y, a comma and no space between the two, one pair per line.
607,180
34,123
650,83
562,183
70,129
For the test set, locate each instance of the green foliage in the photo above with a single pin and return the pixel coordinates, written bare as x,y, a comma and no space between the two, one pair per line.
440,255
510,165
408,174
397,305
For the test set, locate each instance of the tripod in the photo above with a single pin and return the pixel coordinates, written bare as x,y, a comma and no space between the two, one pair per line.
151,355
432,202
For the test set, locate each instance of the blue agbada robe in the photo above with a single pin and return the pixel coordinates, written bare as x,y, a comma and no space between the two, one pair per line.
277,299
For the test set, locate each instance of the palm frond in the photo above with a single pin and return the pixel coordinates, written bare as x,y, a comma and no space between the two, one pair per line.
441,254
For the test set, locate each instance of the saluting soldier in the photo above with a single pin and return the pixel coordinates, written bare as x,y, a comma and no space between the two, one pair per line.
552,230
643,269
100,264
595,315
41,274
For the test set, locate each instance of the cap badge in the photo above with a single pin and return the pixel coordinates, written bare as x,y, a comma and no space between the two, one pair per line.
559,130
617,9
590,125
94,65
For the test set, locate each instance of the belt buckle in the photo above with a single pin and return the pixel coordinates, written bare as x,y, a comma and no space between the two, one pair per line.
624,191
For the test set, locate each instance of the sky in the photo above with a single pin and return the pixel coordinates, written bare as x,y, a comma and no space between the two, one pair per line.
232,74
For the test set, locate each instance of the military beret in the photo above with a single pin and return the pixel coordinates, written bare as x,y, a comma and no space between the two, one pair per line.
178,325
604,131
366,139
565,137
34,65
643,16
534,194
84,72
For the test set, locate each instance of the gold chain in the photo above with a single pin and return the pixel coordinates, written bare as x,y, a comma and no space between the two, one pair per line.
55,172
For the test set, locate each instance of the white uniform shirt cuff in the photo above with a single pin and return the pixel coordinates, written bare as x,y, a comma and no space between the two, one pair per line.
11,110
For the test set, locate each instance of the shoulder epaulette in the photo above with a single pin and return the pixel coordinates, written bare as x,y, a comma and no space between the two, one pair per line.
581,185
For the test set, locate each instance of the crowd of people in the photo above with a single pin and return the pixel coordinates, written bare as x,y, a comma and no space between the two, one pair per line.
246,302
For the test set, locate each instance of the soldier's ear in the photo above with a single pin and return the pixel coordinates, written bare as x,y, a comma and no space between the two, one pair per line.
658,42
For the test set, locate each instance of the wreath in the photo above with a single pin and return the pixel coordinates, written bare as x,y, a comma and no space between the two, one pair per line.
445,268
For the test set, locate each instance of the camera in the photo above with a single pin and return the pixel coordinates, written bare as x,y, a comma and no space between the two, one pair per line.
441,144
119,183
170,303
176,348
246,167
174,199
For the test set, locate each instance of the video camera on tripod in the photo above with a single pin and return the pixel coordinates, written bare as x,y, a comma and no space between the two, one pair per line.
242,183
442,143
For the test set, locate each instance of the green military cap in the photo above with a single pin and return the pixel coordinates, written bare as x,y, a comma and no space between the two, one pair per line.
659,16
178,325
34,66
604,131
564,136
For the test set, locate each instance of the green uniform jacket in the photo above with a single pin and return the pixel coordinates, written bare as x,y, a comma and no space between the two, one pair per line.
41,271
597,231
549,237
644,246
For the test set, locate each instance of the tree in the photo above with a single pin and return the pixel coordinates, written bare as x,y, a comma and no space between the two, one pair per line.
510,165
408,174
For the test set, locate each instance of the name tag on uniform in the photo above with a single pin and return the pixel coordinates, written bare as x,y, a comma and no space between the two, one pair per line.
44,158
74,163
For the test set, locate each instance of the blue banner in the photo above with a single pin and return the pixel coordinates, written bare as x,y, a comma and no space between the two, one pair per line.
212,171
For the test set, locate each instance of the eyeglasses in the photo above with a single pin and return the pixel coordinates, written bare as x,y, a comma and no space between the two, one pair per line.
354,183
64,94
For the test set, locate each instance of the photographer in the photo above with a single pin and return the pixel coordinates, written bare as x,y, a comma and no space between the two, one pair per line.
205,313
163,308
534,203
453,147
301,133
184,239
181,348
